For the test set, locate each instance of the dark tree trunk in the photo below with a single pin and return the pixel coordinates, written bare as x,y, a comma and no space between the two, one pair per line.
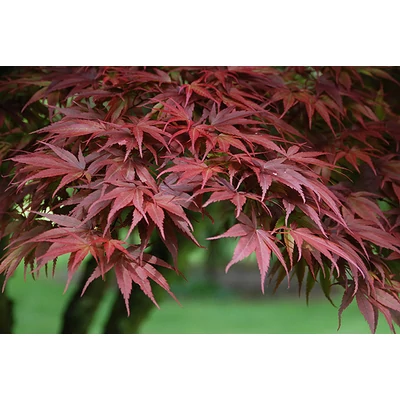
212,267
80,311
6,305
140,305
6,311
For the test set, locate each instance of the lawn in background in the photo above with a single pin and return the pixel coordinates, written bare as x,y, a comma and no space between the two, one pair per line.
243,316
39,304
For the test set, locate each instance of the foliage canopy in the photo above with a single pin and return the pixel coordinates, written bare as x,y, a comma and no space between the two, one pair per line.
304,160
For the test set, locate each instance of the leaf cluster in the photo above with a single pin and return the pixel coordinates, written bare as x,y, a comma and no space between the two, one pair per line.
306,160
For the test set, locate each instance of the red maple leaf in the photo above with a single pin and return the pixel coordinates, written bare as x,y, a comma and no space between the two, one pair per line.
253,239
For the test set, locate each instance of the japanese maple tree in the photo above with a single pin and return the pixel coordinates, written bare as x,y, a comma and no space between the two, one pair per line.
305,161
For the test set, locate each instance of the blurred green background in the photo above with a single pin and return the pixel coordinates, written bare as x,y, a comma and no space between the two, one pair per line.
206,308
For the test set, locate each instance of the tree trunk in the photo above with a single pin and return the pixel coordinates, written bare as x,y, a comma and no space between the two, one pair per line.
140,305
6,305
211,267
80,311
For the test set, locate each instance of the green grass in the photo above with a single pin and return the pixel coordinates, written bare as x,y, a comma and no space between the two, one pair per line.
39,304
270,316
